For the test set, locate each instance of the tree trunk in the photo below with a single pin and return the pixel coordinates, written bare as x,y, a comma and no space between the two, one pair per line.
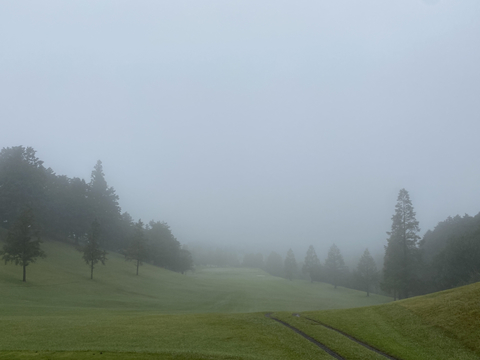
405,261
138,261
91,271
24,273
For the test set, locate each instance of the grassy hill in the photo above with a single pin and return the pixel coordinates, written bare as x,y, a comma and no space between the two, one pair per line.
62,280
211,314
444,325
217,314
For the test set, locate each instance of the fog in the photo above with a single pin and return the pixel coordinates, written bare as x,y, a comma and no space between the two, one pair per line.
264,125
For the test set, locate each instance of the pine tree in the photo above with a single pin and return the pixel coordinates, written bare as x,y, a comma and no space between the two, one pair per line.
334,265
92,253
367,271
312,265
401,252
104,203
23,180
22,245
137,251
290,265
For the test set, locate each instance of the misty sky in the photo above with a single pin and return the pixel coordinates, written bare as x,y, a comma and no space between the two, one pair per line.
268,124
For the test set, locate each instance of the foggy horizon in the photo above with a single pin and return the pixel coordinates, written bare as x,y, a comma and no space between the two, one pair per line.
262,125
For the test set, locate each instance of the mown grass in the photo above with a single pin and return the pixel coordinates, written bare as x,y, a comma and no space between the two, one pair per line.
59,313
62,280
246,336
443,325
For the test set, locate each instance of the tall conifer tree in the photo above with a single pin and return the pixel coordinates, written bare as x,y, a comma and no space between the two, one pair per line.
334,265
104,202
290,265
312,265
367,271
401,251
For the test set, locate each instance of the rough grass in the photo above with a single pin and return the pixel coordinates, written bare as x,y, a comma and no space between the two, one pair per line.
330,338
443,325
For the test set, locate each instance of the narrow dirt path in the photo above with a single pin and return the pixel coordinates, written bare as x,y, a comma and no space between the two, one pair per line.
312,340
352,338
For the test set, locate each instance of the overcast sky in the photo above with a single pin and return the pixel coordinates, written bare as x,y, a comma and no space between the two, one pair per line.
269,124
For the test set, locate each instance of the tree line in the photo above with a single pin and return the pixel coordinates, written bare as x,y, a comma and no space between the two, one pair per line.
34,200
446,257
333,270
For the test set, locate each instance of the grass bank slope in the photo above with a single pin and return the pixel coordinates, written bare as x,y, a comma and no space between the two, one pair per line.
444,325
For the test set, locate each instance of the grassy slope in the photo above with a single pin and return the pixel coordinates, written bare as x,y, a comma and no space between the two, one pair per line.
61,314
62,280
61,309
443,325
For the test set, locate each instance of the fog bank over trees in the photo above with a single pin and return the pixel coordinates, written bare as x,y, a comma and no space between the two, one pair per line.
262,126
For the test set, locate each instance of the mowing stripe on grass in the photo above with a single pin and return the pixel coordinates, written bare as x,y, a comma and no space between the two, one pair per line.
312,340
352,338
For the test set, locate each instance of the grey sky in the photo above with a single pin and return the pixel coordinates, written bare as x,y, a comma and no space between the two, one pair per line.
273,124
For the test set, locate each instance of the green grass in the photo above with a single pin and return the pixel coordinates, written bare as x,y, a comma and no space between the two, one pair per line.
443,325
62,280
333,340
59,313
249,336
216,314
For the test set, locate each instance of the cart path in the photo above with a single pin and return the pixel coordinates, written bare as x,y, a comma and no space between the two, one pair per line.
312,340
351,338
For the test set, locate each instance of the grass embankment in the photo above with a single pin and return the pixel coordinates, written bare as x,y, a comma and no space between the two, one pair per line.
443,325
63,314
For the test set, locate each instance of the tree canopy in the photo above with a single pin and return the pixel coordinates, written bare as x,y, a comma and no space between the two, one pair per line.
401,252
290,265
92,252
312,265
23,242
137,251
334,265
367,271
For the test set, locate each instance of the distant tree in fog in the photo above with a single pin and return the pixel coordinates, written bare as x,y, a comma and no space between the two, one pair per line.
105,208
274,264
184,261
163,247
137,251
334,265
253,260
23,183
290,265
22,245
312,265
367,271
92,253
